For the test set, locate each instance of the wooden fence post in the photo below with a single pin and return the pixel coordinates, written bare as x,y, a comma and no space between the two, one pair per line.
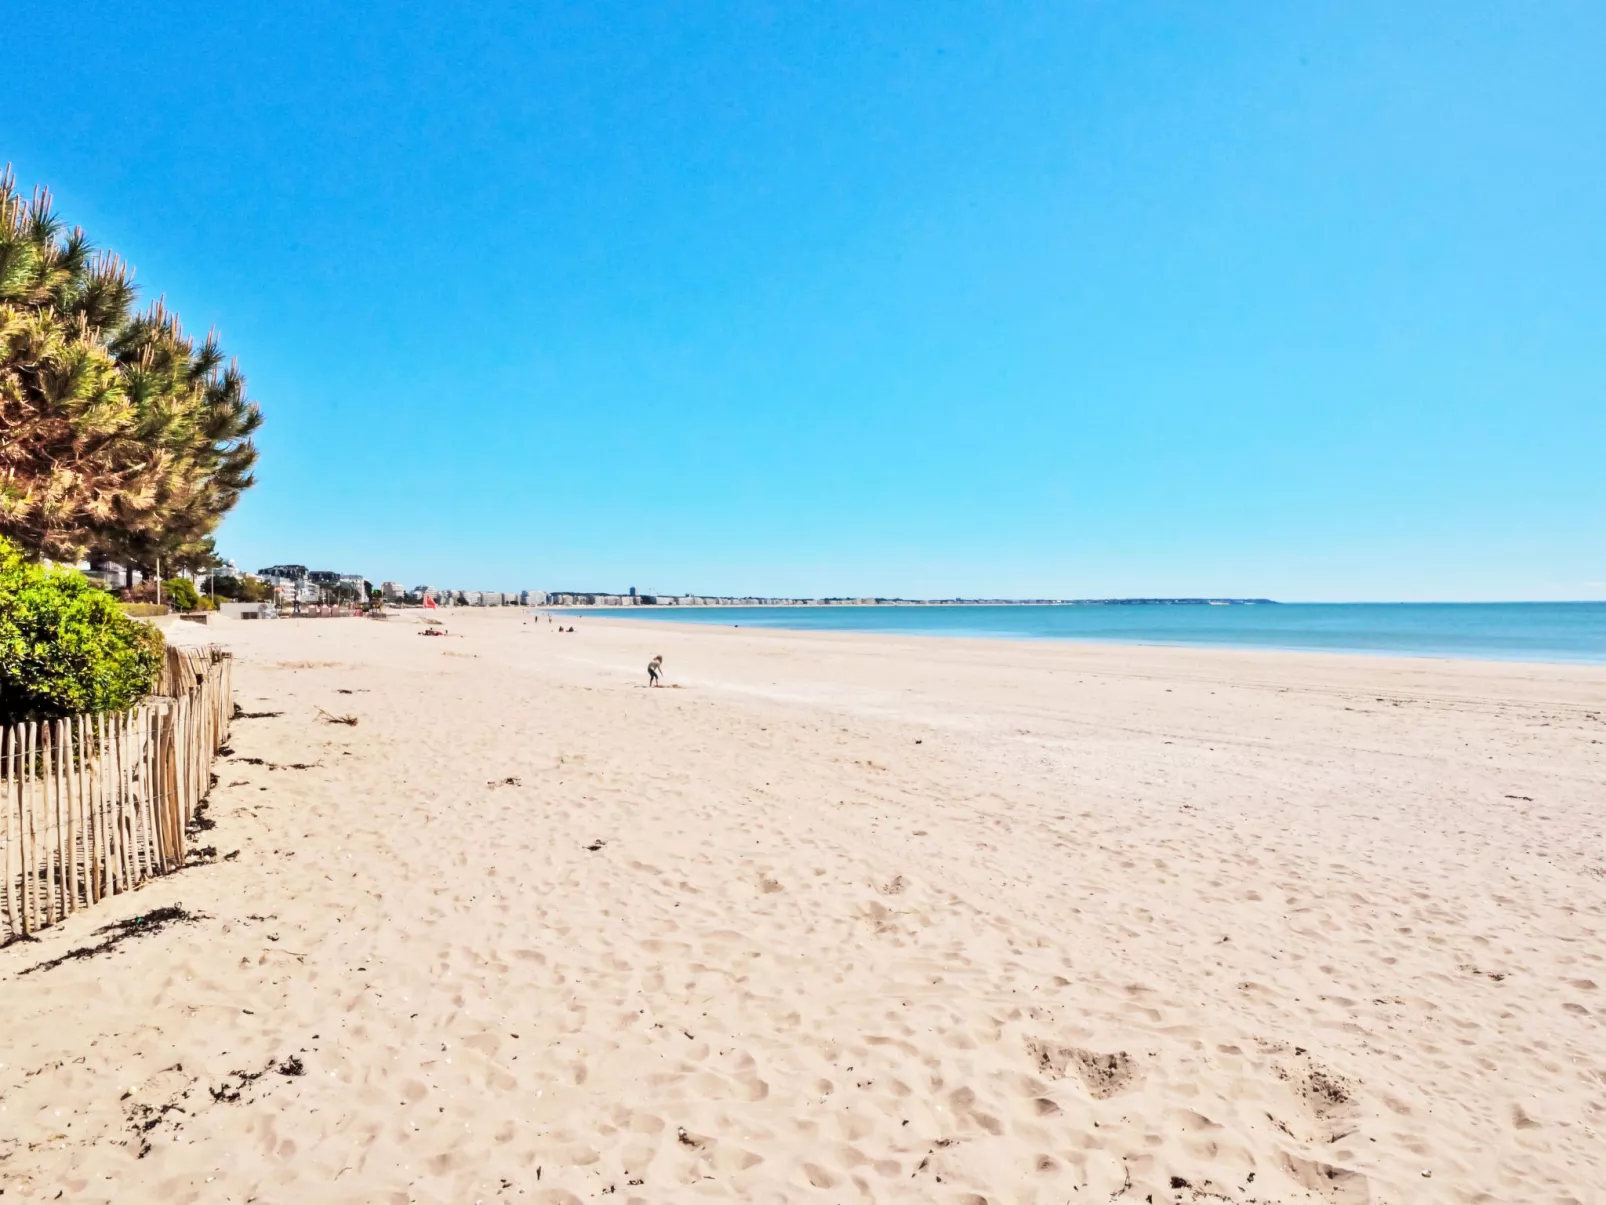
93,805
31,866
8,779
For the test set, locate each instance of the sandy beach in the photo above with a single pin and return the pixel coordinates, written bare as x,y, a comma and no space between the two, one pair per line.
844,918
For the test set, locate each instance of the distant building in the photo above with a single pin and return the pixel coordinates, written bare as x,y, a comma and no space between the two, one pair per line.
295,573
392,591
290,589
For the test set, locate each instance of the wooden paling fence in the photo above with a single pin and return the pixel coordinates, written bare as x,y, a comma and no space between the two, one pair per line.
96,804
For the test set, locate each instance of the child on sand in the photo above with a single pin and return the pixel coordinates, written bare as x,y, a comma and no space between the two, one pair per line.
655,669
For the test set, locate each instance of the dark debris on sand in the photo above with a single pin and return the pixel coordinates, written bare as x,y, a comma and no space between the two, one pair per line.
230,1091
144,925
241,713
200,822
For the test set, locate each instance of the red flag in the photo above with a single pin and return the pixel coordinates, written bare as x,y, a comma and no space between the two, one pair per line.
428,601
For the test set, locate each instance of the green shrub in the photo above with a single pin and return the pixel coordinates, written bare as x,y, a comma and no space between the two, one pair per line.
181,593
242,589
65,647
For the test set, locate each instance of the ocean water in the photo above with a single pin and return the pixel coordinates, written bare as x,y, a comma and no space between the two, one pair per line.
1557,632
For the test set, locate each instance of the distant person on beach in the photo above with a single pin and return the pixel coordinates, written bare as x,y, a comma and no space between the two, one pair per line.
655,669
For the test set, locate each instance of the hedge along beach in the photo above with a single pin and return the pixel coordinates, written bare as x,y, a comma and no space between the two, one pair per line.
845,916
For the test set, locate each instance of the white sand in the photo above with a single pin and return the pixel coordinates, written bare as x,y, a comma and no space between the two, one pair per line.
847,918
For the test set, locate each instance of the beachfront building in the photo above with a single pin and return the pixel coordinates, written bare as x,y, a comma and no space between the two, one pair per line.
328,578
444,597
392,591
586,598
290,584
290,590
109,575
331,586
298,584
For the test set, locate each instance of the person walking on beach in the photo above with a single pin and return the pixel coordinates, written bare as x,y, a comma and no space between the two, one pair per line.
655,669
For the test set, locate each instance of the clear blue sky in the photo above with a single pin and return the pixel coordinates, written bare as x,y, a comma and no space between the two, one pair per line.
1299,300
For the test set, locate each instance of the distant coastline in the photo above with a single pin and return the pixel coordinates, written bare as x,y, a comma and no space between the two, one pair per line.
591,598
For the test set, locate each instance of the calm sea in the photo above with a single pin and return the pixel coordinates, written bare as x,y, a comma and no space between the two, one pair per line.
1568,632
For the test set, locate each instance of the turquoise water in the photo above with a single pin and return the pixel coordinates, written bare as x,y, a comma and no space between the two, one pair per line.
1567,632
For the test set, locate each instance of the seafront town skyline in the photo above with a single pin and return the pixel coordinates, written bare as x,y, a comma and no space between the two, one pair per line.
296,583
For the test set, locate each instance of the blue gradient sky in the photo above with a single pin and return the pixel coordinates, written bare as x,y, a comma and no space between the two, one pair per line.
926,299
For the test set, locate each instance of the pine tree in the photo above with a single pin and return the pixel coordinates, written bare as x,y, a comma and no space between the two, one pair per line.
119,435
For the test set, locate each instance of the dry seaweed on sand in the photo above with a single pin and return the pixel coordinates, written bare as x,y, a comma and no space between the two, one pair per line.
144,925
